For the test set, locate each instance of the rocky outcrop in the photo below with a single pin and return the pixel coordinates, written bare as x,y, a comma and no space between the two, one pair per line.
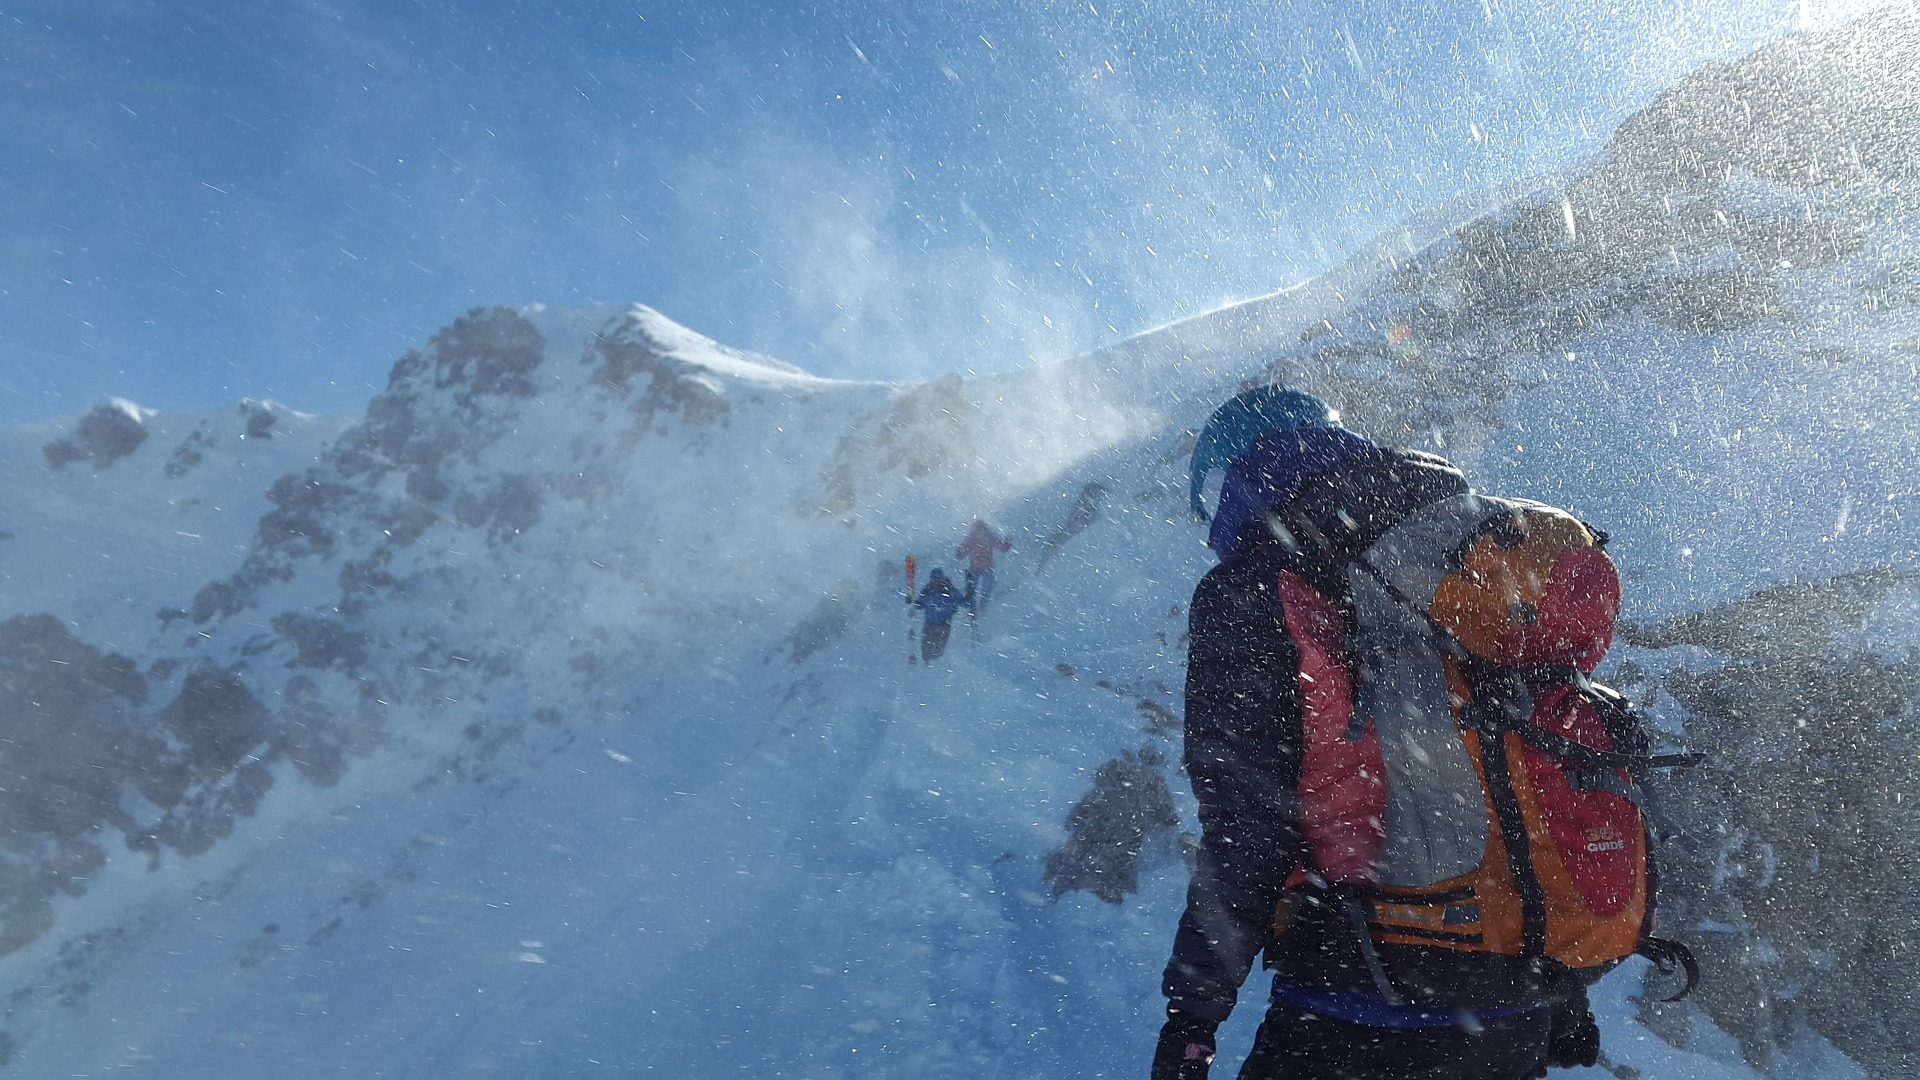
108,432
1788,867
1701,213
1128,809
631,365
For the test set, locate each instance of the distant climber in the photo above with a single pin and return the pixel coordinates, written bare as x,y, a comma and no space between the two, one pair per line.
979,548
939,600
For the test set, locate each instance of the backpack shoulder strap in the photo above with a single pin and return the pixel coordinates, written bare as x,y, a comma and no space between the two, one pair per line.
1502,702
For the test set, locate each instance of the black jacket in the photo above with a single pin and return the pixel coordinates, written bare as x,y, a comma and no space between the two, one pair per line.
1243,717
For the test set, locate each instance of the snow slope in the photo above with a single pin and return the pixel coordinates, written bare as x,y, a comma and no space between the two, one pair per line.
554,718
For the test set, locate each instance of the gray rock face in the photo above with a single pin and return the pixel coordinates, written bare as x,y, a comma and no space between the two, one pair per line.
1789,872
1085,511
108,432
507,508
85,745
1128,809
450,398
1701,213
634,367
73,738
829,620
82,748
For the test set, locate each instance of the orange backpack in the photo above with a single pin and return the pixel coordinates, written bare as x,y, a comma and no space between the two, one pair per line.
1468,797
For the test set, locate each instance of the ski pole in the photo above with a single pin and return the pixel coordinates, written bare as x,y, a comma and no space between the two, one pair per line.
912,659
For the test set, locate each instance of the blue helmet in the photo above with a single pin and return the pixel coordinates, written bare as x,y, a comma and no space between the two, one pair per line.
1270,472
1238,424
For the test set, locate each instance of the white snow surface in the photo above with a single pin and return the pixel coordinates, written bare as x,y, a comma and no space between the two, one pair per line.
662,792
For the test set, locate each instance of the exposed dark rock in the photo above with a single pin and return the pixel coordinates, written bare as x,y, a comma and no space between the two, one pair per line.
404,521
830,618
487,352
216,599
319,737
425,487
1794,619
626,352
298,526
448,399
1739,175
1160,719
71,736
1896,286
1128,808
217,720
73,739
260,420
190,452
509,509
1714,301
206,815
926,429
1813,111
1084,512
321,643
358,576
1790,864
108,432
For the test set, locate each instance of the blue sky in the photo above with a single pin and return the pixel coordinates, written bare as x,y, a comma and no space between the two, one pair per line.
201,201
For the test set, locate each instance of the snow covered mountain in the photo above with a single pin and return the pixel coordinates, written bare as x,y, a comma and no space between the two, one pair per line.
554,717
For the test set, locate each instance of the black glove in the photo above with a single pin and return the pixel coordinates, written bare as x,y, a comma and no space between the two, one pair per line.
1186,1048
1575,1039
